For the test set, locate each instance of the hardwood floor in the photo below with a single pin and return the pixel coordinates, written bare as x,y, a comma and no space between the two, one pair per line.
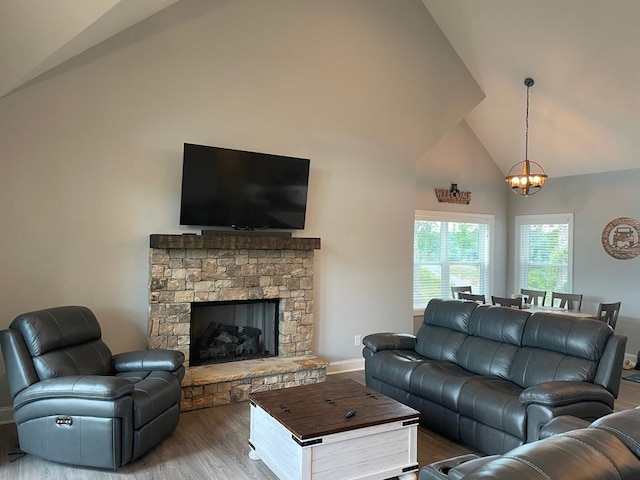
212,444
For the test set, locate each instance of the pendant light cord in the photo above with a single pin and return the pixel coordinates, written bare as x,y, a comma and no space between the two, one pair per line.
526,134
527,177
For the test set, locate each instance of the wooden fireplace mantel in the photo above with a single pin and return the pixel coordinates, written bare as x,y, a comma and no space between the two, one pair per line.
234,242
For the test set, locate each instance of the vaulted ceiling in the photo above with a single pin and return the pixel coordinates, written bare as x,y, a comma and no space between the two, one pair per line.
582,54
36,36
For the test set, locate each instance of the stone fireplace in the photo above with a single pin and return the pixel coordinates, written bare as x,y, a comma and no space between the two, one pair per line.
192,269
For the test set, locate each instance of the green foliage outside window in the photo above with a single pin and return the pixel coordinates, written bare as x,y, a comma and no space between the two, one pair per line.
447,254
426,242
546,259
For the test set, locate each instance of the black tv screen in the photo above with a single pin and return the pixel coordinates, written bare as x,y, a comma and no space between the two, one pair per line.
244,190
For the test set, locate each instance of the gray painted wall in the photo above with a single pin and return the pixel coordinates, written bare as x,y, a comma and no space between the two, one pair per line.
92,152
460,158
595,200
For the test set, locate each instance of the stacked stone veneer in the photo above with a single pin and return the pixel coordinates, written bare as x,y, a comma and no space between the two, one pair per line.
192,268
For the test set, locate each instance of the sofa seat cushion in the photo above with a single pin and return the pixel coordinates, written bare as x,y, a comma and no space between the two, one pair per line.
441,382
495,403
394,366
154,393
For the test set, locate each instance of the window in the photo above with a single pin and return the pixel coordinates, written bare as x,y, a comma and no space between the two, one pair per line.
544,252
450,249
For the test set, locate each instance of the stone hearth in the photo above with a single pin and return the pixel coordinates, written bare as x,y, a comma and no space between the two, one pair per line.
206,268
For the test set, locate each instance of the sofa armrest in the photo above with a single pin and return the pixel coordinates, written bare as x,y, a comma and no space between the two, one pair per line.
555,394
148,360
94,387
389,341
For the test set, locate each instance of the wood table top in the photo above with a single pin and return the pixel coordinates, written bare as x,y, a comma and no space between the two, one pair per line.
561,311
319,409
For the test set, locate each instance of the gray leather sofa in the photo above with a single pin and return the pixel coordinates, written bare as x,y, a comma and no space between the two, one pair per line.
74,402
609,448
491,377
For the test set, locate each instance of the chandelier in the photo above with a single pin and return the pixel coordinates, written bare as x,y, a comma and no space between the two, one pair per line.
526,178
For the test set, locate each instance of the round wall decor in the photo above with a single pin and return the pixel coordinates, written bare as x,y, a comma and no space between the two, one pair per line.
620,238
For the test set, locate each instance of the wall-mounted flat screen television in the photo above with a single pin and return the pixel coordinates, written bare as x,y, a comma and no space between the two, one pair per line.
244,190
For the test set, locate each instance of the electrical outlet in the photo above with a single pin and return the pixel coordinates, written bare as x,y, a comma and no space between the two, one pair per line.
356,341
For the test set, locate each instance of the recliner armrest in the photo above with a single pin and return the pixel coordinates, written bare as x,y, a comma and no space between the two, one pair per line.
555,394
96,387
148,360
389,341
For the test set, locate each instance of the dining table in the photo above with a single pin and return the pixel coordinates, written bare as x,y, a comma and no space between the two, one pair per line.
558,310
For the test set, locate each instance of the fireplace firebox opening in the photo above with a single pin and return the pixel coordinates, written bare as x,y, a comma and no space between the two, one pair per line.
229,331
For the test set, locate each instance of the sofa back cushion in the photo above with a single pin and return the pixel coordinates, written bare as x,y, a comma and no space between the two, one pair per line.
444,329
495,334
559,347
64,341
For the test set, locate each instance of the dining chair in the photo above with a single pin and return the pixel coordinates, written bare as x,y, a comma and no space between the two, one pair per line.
456,290
570,301
472,297
534,297
608,312
507,302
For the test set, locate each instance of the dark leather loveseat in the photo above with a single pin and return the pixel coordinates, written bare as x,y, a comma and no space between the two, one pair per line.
491,377
609,448
74,402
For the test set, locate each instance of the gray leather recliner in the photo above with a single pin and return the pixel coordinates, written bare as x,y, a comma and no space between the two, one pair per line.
608,448
74,402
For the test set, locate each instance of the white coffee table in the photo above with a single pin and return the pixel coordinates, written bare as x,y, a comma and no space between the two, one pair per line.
302,433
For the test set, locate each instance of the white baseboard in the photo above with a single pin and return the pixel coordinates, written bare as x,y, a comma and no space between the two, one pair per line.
6,415
343,366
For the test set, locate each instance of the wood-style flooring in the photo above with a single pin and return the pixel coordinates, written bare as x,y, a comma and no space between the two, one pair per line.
212,444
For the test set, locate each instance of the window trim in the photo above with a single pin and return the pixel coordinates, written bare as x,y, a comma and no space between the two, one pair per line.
460,217
539,219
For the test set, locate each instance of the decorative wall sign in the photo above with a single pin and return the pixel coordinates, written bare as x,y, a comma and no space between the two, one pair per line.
445,195
621,238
